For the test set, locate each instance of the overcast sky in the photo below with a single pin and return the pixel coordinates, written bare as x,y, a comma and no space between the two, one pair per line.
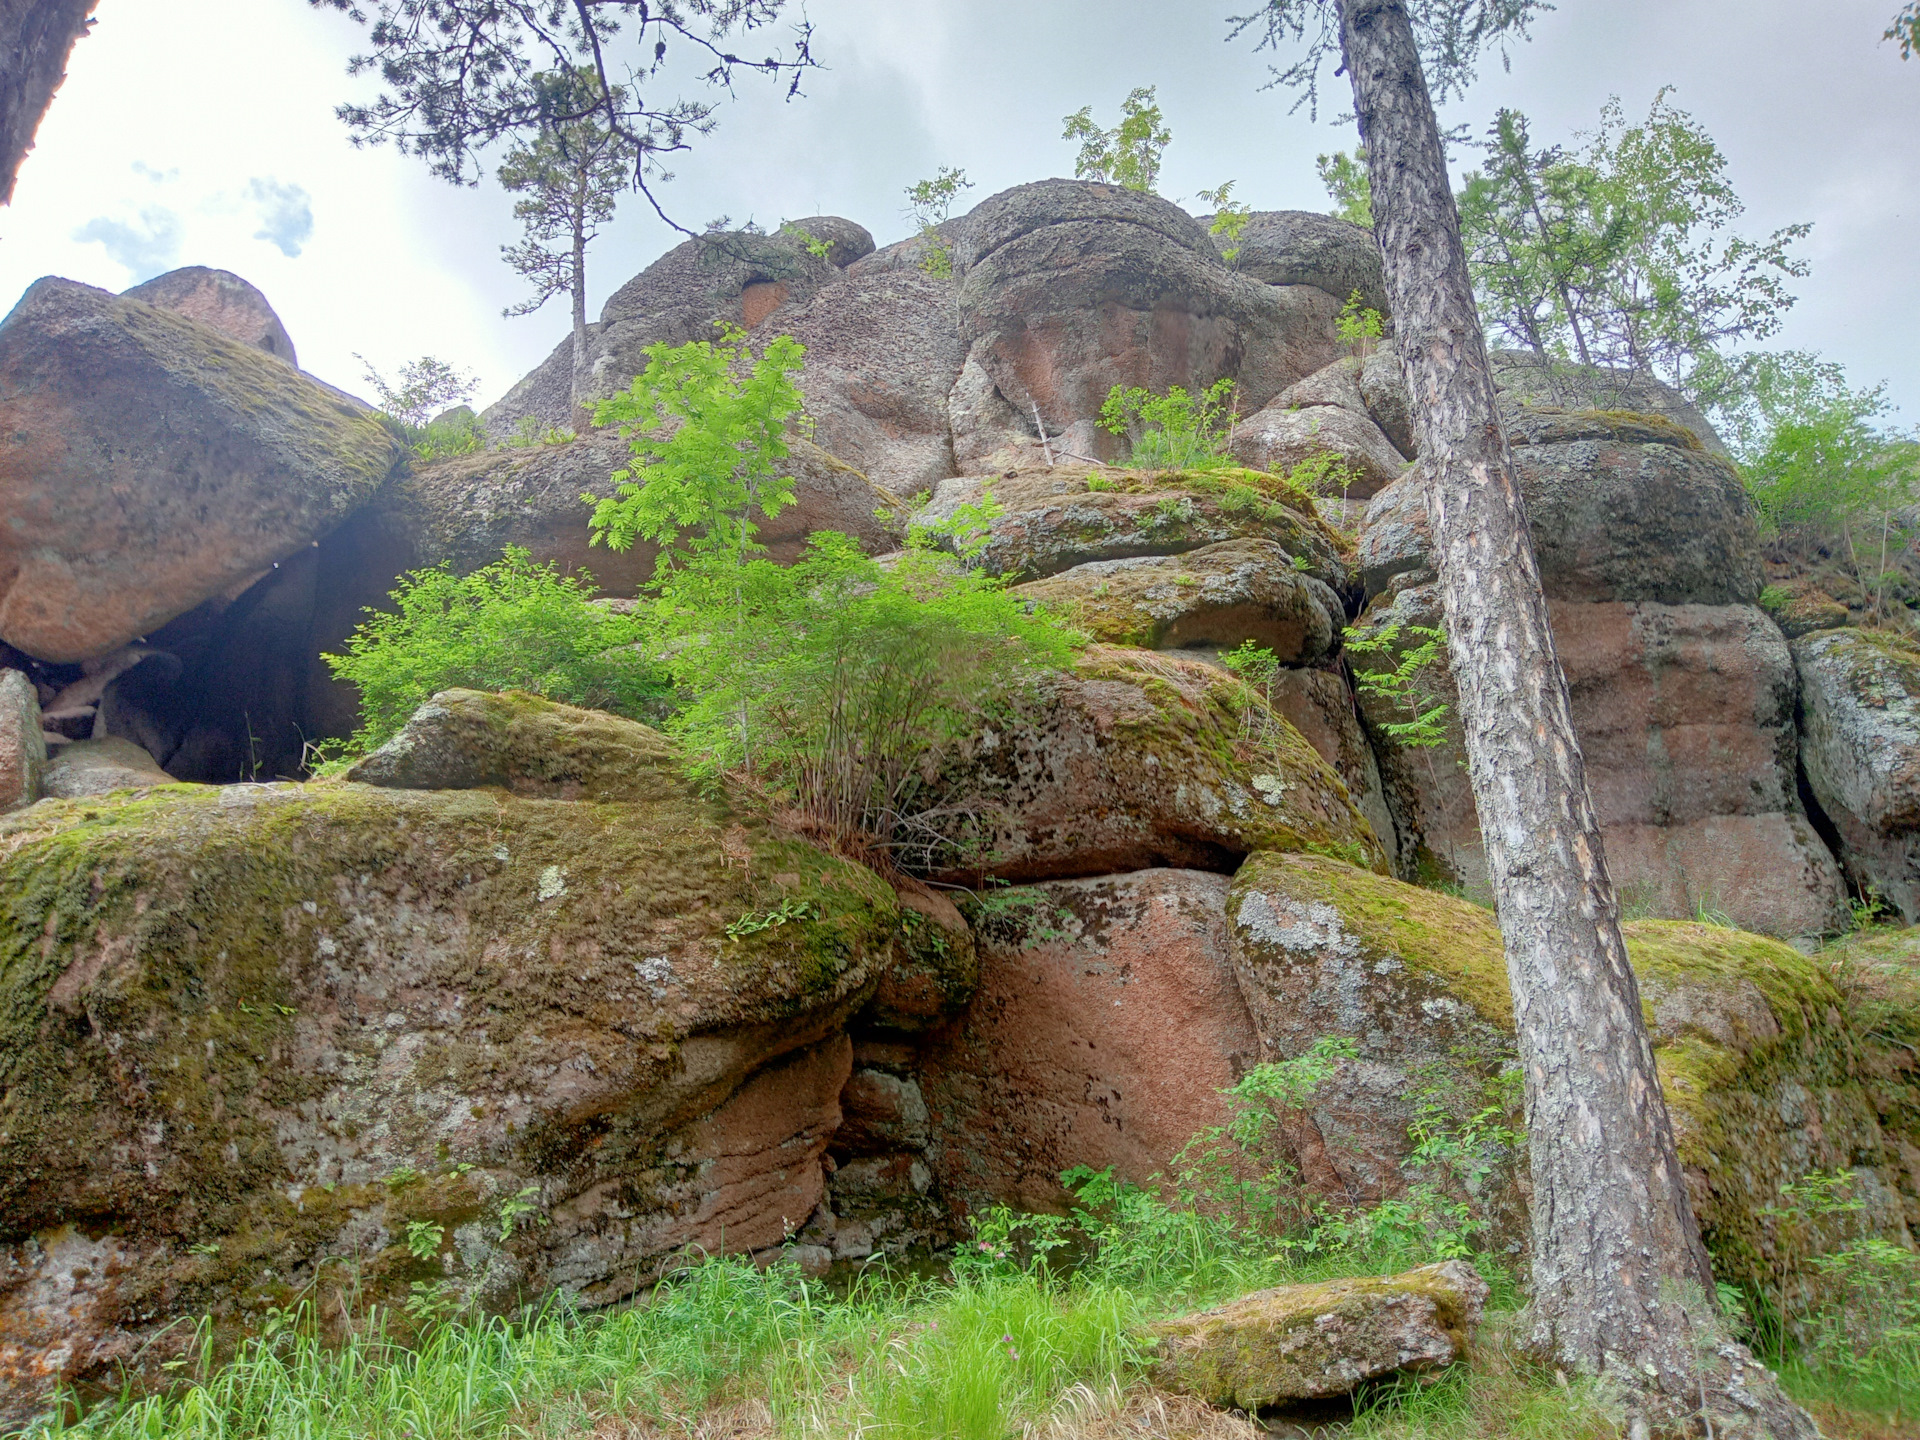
202,132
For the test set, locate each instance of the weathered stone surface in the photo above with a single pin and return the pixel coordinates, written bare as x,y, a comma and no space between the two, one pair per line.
153,463
1106,1023
883,353
1685,715
1314,1342
1525,379
1217,596
221,301
1071,287
1279,438
464,739
1055,519
1860,693
1384,389
1304,247
1320,705
1621,508
288,1020
1751,1040
1337,385
1134,759
935,969
23,748
467,508
100,767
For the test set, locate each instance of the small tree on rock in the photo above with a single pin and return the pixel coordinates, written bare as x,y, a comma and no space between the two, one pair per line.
1129,154
569,176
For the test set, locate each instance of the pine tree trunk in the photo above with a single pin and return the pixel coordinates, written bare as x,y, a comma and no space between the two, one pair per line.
1620,1277
579,308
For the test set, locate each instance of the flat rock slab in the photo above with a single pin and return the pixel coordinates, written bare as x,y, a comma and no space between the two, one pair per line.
100,767
1314,1342
152,463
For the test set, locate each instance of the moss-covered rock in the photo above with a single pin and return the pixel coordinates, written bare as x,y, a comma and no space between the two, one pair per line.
1132,760
152,463
1315,1342
1217,596
1055,518
1800,607
255,1032
1755,1053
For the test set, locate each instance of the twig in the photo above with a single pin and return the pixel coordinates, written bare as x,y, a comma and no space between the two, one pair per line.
1041,426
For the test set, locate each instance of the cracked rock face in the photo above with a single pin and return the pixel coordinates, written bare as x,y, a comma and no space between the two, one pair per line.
1861,696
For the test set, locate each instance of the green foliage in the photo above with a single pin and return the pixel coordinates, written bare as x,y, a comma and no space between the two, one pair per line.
1348,184
707,424
1407,685
1359,325
1019,915
423,1238
1906,30
425,387
929,205
1130,153
1229,218
825,681
511,625
1824,476
785,913
1613,254
1176,430
818,249
530,431
456,433
520,1209
569,174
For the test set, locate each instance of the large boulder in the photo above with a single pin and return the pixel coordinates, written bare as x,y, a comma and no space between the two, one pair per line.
260,1038
1304,247
1320,1341
1070,287
153,463
883,353
1106,1024
1319,703
100,767
1621,507
1523,379
221,301
1133,759
1054,518
1755,1053
731,277
1685,715
1216,597
23,745
1860,743
1283,437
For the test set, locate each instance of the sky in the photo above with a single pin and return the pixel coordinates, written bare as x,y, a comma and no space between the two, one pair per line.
202,132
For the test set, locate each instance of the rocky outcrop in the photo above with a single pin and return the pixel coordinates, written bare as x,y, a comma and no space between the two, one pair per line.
153,463
1361,460
1685,715
23,746
1523,379
1105,1025
1217,597
256,1033
1304,247
1069,288
36,37
1621,507
1319,703
1860,695
1315,1342
221,301
1055,518
1753,1047
1132,760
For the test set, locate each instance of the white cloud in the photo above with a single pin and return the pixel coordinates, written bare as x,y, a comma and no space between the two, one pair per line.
286,215
147,249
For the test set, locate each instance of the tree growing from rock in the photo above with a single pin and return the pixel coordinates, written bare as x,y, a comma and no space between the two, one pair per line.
1129,154
1617,253
929,206
569,177
424,388
463,75
1621,1281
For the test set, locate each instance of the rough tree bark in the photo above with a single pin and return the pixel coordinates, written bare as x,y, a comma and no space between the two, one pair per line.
1620,1278
36,36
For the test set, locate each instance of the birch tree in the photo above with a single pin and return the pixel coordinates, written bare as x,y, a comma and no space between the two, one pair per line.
1621,1281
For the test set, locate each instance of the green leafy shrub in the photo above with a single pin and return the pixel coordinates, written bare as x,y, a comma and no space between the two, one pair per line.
1130,153
1408,684
929,204
1230,218
424,388
1359,325
512,625
455,433
1176,430
826,681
